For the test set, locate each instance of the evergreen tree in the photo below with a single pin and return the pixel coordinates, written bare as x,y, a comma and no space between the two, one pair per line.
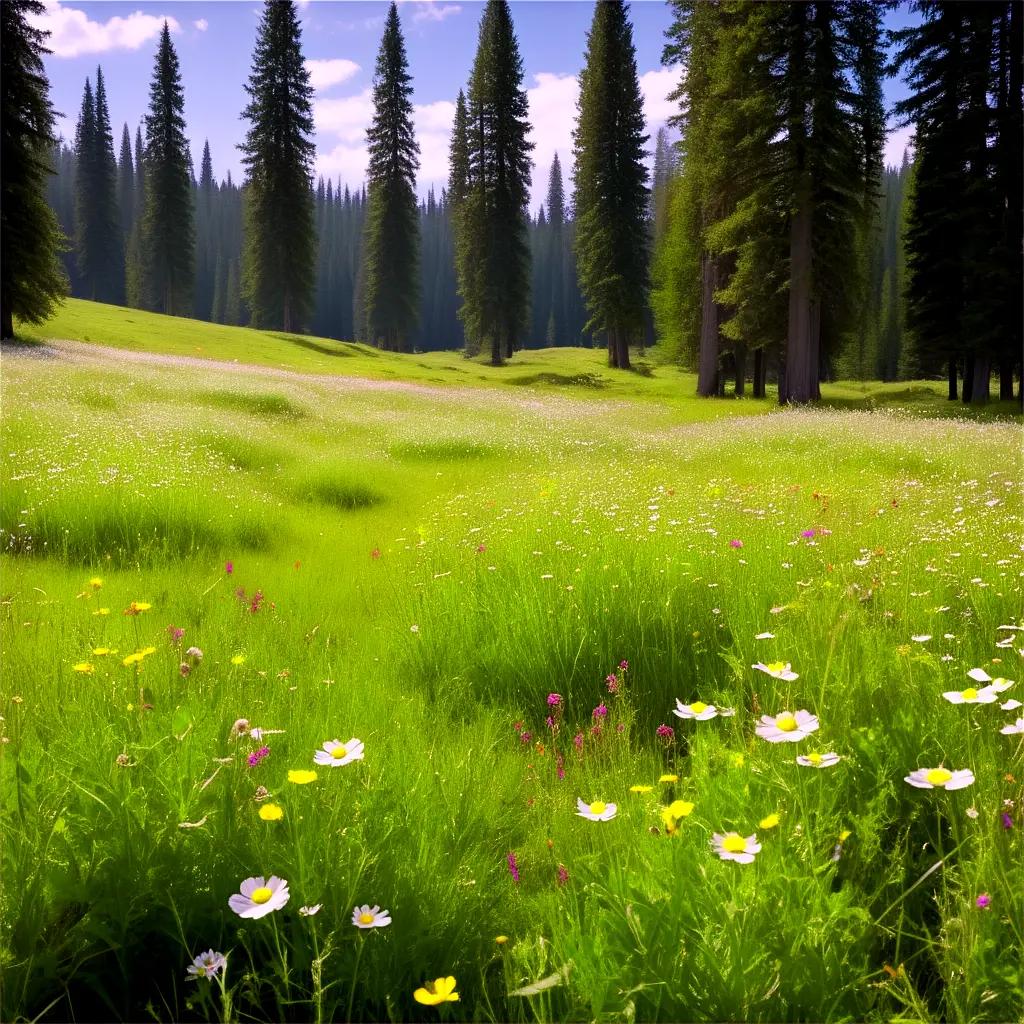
458,194
104,206
559,266
126,185
392,225
610,183
493,244
86,238
168,239
134,269
280,233
31,279
206,250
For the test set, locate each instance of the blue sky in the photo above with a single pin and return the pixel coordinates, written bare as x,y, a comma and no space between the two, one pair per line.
214,42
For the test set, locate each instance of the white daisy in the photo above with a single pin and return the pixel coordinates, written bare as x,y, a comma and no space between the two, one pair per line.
207,965
777,670
818,760
335,753
921,638
979,675
765,636
787,727
986,695
701,712
310,911
596,811
258,897
1010,705
370,917
1013,730
732,846
940,778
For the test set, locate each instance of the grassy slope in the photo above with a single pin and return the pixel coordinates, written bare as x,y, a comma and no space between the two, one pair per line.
432,568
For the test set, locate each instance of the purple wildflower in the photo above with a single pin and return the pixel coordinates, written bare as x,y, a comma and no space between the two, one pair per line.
578,741
983,901
601,711
612,682
563,874
665,732
808,534
513,867
554,700
560,767
258,755
229,568
549,722
176,633
737,543
525,736
1007,821
624,665
184,668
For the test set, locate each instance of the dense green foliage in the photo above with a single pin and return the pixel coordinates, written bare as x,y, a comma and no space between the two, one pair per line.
31,281
278,272
610,194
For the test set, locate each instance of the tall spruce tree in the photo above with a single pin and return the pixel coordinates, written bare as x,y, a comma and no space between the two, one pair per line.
88,243
558,267
32,281
458,194
168,237
610,182
493,237
392,224
134,276
126,185
279,256
104,205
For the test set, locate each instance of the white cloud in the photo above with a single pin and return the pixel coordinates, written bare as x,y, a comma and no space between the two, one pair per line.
433,132
346,117
899,140
202,24
431,10
658,108
325,73
552,118
72,33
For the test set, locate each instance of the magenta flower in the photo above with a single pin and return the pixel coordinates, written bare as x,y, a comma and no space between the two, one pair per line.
513,867
983,901
258,755
229,568
736,543
554,700
612,682
601,711
560,767
176,633
808,534
665,732
578,740
525,736
1007,821
563,874
624,665
549,722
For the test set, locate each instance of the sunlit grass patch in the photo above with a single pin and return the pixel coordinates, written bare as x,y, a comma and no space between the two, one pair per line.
257,403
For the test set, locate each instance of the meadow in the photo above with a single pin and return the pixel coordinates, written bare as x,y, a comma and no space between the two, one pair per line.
523,602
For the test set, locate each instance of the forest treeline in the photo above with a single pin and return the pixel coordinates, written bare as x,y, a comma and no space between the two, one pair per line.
768,244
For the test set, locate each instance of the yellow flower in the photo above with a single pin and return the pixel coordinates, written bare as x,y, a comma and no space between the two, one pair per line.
640,789
98,652
84,667
133,659
271,812
844,835
680,808
770,822
301,776
440,990
669,778
102,611
738,760
501,939
238,659
95,583
137,607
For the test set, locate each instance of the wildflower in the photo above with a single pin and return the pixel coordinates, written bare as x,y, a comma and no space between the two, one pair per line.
577,740
257,755
738,760
229,568
560,767
777,670
623,665
238,659
640,789
612,682
921,638
375,554
335,753
596,811
513,867
271,812
207,965
1010,705
301,777
665,732
184,669
100,652
310,911
680,808
765,636
972,813
699,711
501,939
983,901
370,917
1013,730
102,611
940,778
440,990
95,583
979,675
258,897
194,653
123,761
808,534
668,778
240,728
525,736
986,695
1007,821
601,711
735,543
176,633
257,733
137,608
84,668
554,700
563,874
787,727
817,760
771,821
732,846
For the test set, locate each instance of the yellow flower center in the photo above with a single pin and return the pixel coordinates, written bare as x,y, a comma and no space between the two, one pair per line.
338,752
814,758
201,971
597,807
969,694
261,895
939,776
787,723
698,707
366,918
734,844
775,666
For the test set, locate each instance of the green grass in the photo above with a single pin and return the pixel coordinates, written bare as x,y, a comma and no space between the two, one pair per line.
420,567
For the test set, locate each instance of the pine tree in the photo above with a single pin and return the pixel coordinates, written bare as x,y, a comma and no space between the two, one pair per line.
86,241
206,257
31,279
126,185
134,269
492,239
168,239
466,264
280,233
610,182
392,240
558,266
104,206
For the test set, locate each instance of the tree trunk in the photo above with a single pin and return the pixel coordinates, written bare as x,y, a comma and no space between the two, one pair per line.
287,316
622,348
496,349
816,360
760,372
707,362
968,387
801,367
739,355
952,380
613,355
1006,380
6,322
980,381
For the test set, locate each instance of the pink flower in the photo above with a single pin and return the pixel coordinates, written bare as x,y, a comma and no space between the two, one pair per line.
578,741
665,732
808,534
601,711
612,682
258,755
525,736
513,867
736,543
624,665
983,901
560,767
554,700
229,568
563,874
176,634
481,548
